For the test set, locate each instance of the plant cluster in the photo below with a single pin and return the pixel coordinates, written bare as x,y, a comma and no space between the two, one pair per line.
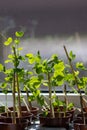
50,73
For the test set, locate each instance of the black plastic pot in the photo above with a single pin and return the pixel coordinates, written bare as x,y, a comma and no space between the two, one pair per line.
34,110
61,109
55,122
6,124
79,125
25,115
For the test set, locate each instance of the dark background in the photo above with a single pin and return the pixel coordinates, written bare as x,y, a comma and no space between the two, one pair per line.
39,18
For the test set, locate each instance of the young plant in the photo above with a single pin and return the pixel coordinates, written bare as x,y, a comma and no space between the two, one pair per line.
74,79
15,73
50,72
31,85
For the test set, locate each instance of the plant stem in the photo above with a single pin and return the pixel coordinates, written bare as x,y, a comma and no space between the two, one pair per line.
50,97
29,102
18,90
79,91
26,105
66,101
6,108
14,102
19,100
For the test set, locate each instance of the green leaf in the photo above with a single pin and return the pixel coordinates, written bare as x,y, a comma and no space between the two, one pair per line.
59,67
29,55
37,59
72,56
7,61
40,99
1,67
70,106
21,58
31,98
84,79
8,79
20,48
76,73
57,73
19,34
45,84
10,56
31,61
8,71
55,58
37,92
39,69
8,41
31,58
80,65
3,85
60,81
16,41
30,72
69,77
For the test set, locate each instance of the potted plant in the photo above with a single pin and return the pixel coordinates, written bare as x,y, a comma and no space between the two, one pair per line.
51,73
14,75
32,84
64,105
80,82
31,87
